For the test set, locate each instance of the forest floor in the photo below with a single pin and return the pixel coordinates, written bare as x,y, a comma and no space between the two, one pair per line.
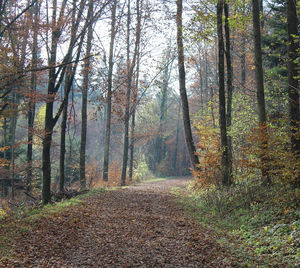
137,226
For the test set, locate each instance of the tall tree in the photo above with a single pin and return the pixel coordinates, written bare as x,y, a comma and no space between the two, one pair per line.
293,76
130,68
85,86
31,101
259,78
159,148
68,78
133,114
109,91
222,102
185,105
229,89
55,79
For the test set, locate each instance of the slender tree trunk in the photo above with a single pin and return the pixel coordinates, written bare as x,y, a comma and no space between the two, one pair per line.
63,137
109,92
47,140
293,76
222,103
85,87
46,159
127,108
132,133
159,151
185,105
131,147
54,83
206,78
68,84
31,104
174,164
130,68
259,78
13,140
229,89
243,62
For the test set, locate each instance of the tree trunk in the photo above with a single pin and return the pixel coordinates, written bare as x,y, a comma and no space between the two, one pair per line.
259,78
229,89
293,76
85,87
130,68
31,104
13,140
128,93
174,164
222,103
132,133
159,151
185,105
63,137
54,83
131,147
109,91
243,62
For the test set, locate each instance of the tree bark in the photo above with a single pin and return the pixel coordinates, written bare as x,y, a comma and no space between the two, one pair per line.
85,87
159,147
185,105
132,132
229,89
31,102
54,83
259,78
293,76
222,103
130,68
174,163
109,92
63,138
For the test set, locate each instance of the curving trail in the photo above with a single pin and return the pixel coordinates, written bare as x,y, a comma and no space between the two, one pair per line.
141,226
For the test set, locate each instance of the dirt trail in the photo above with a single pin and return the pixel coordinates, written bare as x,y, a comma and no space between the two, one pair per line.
140,226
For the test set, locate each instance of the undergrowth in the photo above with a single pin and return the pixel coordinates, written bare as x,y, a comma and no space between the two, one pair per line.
259,224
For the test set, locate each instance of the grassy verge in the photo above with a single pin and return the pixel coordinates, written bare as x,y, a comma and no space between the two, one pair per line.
259,225
22,219
154,180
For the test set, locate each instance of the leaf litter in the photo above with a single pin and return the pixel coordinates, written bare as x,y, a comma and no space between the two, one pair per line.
140,226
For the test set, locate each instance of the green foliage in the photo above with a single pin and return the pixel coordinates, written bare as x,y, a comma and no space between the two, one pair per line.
142,172
259,224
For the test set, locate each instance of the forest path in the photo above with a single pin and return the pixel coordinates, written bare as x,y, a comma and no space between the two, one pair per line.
139,226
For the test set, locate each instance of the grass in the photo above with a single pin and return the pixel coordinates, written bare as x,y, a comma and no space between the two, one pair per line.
154,180
260,225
